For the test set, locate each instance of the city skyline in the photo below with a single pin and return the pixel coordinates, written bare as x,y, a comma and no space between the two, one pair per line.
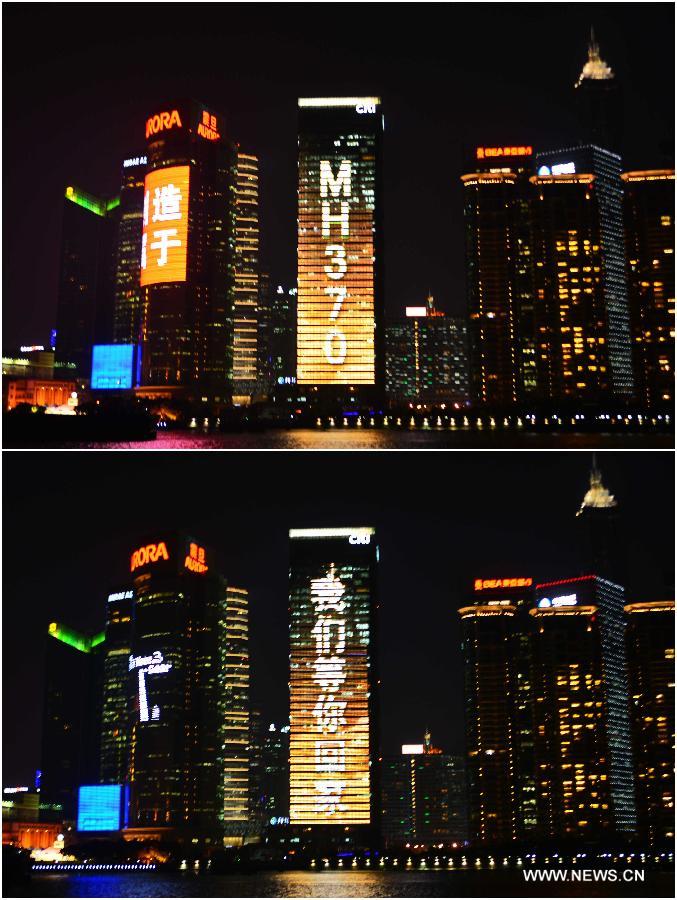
97,128
444,519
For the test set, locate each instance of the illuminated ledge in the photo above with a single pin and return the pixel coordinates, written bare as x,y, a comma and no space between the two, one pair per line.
467,612
650,175
581,178
564,611
328,532
318,102
656,606
489,178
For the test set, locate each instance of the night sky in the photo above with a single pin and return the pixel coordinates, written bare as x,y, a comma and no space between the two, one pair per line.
80,80
72,520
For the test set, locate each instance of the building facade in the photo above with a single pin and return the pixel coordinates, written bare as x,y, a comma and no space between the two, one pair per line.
650,242
127,312
333,679
115,720
340,296
246,297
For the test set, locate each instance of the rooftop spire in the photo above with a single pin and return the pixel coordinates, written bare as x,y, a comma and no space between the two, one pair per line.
597,497
595,68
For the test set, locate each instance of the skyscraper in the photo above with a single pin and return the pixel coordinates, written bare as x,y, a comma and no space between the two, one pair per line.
115,701
340,295
188,254
333,679
84,314
651,665
246,296
582,314
177,675
650,242
496,634
426,357
582,736
597,523
127,313
71,717
598,102
500,276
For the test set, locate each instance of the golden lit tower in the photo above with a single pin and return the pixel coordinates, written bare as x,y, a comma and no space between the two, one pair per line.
246,296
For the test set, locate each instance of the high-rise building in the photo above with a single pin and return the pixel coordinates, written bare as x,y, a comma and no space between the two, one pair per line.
127,313
263,339
581,315
71,718
178,680
115,701
340,258
423,797
234,651
651,665
426,357
598,102
188,255
282,302
584,770
246,296
84,314
500,276
275,775
333,680
650,242
597,523
496,633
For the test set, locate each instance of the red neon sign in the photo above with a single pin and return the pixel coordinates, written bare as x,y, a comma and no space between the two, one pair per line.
493,152
489,584
207,128
151,553
195,561
162,122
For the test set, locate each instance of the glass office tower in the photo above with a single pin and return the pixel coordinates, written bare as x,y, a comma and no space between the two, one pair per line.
333,678
127,313
115,703
340,258
246,296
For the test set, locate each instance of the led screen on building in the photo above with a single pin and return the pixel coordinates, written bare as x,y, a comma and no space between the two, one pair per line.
99,807
338,153
112,366
331,662
164,241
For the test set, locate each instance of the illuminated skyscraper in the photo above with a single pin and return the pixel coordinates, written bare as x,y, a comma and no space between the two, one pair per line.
500,276
178,678
84,314
333,679
651,666
127,314
246,297
188,254
496,634
582,314
71,718
584,769
340,296
115,705
234,650
598,102
597,523
426,357
650,243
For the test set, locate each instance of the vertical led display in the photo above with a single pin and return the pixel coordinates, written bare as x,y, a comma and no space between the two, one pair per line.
332,736
337,223
99,807
164,240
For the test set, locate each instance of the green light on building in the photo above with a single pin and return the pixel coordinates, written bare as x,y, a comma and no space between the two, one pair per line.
88,201
82,642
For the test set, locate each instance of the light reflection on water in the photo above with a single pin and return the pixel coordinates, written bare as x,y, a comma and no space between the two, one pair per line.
334,884
385,439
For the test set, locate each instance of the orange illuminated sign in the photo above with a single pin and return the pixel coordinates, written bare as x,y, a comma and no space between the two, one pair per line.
151,553
207,128
162,122
493,152
164,241
195,561
488,584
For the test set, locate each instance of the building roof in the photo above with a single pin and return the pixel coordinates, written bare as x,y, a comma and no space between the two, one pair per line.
597,497
595,68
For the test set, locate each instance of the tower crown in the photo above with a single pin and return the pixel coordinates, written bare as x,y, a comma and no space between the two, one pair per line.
597,497
595,68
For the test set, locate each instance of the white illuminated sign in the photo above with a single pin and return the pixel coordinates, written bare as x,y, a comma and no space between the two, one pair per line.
32,348
564,169
365,108
120,595
360,538
416,311
134,161
410,749
148,665
563,600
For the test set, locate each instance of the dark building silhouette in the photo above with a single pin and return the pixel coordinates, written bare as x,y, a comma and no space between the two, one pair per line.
85,299
71,719
650,243
651,665
115,713
499,274
599,102
598,529
583,753
127,313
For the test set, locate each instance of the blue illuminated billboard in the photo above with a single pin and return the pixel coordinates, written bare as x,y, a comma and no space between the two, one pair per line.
113,366
100,807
